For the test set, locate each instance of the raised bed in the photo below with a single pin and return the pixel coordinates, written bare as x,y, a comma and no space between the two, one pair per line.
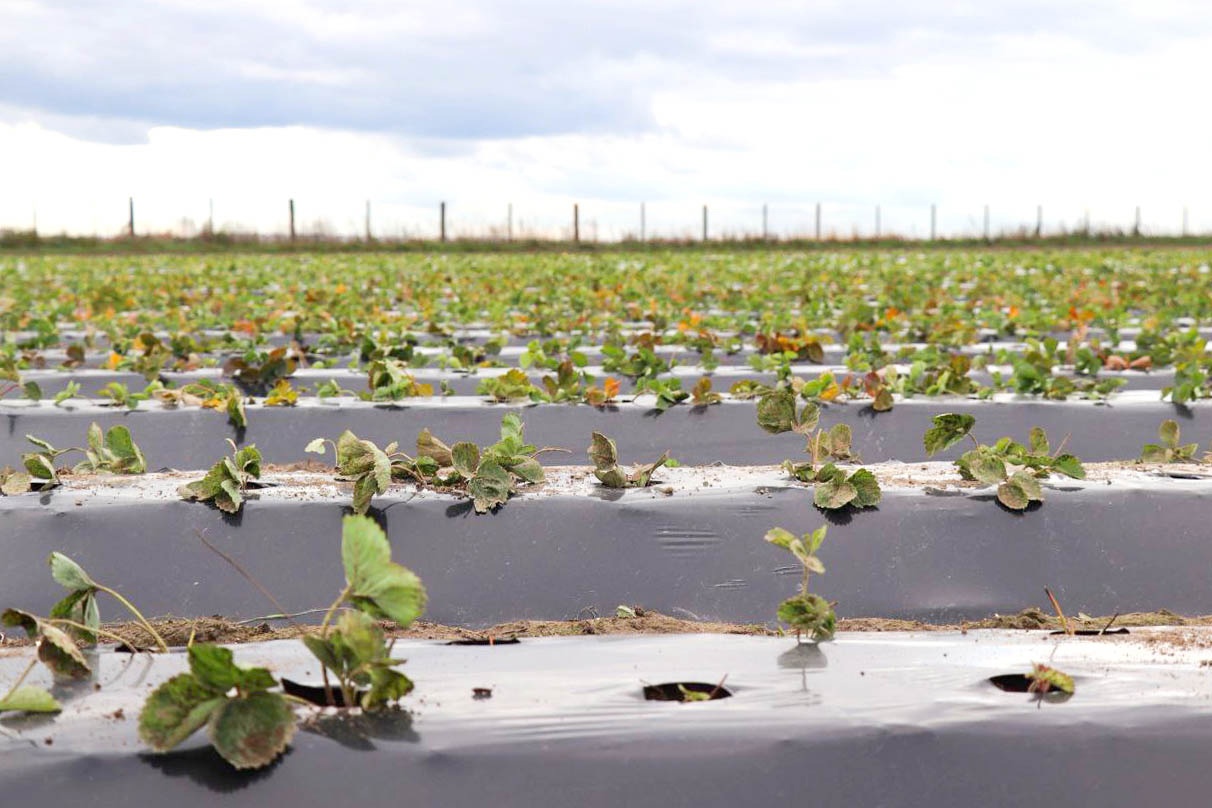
724,433
467,384
890,719
692,547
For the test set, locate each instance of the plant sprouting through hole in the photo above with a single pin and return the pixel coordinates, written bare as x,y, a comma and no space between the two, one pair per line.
1169,450
80,605
1014,468
227,480
355,649
805,612
605,457
777,412
1045,679
248,725
489,475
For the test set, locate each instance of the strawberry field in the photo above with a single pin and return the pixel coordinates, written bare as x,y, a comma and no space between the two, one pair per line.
794,487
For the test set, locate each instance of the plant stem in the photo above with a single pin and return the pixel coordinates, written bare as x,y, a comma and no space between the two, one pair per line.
21,678
332,610
301,702
1056,605
138,616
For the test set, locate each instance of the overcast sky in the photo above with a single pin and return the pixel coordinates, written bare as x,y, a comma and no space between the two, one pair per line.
1079,106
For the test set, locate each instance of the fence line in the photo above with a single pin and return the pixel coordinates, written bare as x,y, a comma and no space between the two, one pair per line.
816,225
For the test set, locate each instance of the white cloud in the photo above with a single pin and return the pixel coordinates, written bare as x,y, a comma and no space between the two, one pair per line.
1078,106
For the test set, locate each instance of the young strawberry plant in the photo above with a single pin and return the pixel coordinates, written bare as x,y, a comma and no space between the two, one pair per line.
777,413
119,395
1014,468
805,612
249,726
208,395
389,380
513,385
76,618
111,452
701,394
79,608
668,392
355,649
608,393
489,475
644,363
227,480
283,394
257,371
605,457
1169,450
39,474
1045,679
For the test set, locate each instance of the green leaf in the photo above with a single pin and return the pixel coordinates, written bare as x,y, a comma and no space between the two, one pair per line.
127,453
839,440
213,666
18,482
465,457
643,476
175,710
429,446
511,427
30,699
95,438
1152,453
602,451
324,651
529,470
1169,432
491,486
1019,490
776,411
315,446
810,614
883,400
612,477
1045,678
229,499
1070,466
251,732
41,444
364,490
948,429
1038,440
40,468
810,416
780,537
56,649
816,538
377,584
69,574
833,494
1012,496
867,489
386,685
985,466
32,391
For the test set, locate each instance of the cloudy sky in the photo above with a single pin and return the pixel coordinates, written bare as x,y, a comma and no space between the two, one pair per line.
1095,106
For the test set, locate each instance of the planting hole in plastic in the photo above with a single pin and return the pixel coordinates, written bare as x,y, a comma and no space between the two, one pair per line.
486,641
677,691
1021,683
1093,632
316,695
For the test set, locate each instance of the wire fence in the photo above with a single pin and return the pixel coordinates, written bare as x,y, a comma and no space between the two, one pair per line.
596,221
